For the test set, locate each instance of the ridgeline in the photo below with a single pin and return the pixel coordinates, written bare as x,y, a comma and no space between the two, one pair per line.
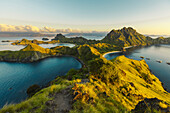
100,86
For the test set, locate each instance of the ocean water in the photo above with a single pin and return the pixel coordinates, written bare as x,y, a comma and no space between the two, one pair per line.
8,46
155,53
15,78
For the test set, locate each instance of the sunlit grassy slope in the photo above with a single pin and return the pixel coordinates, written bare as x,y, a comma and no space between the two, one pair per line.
124,80
35,104
26,42
114,86
35,47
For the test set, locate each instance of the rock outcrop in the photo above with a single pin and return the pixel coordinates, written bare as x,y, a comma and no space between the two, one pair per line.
151,105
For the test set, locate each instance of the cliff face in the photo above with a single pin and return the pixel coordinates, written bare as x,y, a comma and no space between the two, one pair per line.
125,37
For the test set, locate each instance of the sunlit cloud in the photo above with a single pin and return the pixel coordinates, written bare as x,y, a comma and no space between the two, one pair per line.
30,28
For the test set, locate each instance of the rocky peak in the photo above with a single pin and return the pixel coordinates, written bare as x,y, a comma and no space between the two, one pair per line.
59,36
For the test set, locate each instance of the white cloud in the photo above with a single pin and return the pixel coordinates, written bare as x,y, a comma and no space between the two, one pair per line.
30,28
13,28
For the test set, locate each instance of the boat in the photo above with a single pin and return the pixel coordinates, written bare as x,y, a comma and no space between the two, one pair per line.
159,61
147,58
142,57
168,63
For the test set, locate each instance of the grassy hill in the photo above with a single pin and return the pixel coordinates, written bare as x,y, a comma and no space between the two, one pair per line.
125,37
32,52
26,42
120,85
99,87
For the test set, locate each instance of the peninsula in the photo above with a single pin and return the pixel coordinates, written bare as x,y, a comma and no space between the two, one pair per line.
101,85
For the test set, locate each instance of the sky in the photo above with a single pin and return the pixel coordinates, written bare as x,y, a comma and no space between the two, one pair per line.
146,16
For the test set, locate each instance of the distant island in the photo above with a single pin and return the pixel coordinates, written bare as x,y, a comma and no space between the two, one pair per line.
118,85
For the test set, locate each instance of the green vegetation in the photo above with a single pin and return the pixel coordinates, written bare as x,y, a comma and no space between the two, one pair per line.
75,40
161,40
34,104
105,47
26,42
126,37
21,56
101,85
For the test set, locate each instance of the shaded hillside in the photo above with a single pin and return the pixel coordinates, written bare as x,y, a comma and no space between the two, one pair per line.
152,105
75,40
161,40
21,56
125,37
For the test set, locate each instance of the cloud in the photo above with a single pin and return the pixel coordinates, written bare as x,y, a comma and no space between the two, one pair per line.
13,28
30,28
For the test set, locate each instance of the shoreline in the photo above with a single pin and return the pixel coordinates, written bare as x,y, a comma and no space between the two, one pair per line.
114,52
117,51
111,52
53,56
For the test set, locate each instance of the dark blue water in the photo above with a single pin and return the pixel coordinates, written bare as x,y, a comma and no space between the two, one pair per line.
161,52
19,76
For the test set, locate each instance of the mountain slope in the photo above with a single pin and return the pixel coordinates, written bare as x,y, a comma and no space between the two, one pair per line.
32,52
124,80
100,86
75,40
125,37
35,47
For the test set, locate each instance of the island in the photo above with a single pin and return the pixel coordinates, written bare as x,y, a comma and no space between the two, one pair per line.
117,85
26,42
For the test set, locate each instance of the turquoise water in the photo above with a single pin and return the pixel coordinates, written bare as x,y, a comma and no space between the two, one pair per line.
161,52
19,76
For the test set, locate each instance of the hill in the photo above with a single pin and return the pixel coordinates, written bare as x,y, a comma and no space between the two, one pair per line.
26,42
74,40
100,86
32,52
161,40
125,37
35,47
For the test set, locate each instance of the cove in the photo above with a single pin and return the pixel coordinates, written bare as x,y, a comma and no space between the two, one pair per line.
15,78
155,52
